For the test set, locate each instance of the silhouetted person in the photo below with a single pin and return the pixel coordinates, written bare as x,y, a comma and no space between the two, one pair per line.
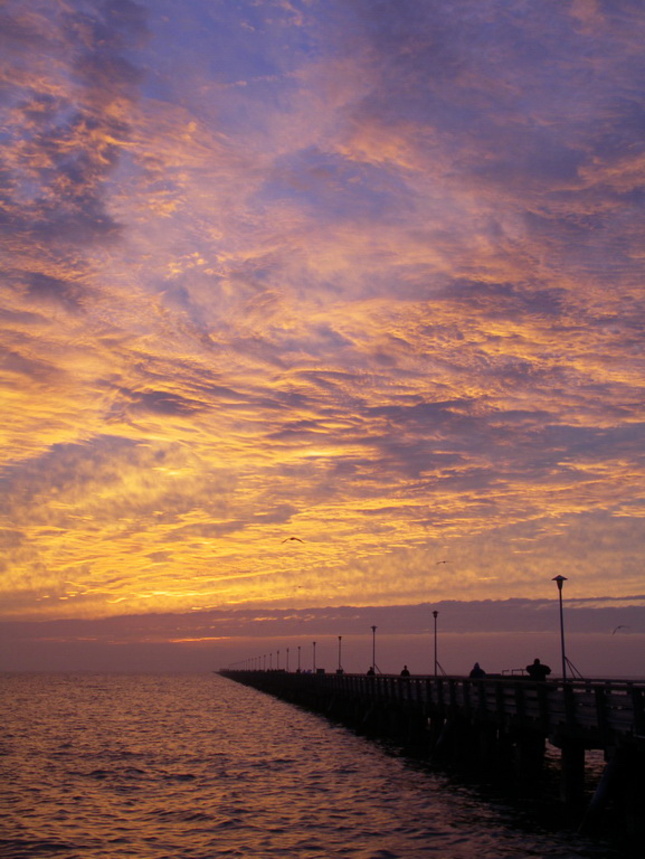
370,671
537,670
477,671
405,672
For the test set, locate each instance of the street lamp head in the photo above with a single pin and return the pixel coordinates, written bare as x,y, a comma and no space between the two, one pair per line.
559,580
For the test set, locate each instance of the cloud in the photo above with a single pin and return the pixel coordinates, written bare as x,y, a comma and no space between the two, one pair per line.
67,125
478,616
369,275
504,635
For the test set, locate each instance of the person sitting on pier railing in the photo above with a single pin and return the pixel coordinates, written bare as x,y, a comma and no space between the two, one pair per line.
405,672
477,671
537,670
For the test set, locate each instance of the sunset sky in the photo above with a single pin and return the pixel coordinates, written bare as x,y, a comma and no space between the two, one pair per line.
364,273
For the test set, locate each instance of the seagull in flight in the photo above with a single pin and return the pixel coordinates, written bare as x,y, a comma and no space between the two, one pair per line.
441,562
286,539
622,626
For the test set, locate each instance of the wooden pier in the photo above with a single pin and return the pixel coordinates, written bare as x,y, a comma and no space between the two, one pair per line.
499,723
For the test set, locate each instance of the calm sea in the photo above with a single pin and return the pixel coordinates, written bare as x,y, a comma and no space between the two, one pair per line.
197,767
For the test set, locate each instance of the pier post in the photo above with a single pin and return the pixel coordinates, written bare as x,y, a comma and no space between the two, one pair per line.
601,797
529,754
572,772
488,746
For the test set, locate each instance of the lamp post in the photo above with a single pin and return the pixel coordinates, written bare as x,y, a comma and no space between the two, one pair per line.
374,649
314,643
287,660
298,659
560,580
434,614
340,665
278,665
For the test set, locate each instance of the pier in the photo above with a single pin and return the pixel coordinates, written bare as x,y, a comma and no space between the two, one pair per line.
494,723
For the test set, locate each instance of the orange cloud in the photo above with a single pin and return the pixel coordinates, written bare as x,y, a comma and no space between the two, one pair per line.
381,294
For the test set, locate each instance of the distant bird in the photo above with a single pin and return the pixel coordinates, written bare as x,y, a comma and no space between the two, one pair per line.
441,562
622,626
286,539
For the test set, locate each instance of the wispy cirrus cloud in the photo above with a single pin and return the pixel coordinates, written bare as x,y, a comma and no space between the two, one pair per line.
366,273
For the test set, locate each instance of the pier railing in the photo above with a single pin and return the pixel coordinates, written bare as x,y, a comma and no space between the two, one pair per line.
593,709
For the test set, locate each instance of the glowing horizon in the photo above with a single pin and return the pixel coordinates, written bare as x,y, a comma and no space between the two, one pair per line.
368,275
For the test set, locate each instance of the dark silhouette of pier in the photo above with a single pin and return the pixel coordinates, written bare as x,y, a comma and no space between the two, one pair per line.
494,723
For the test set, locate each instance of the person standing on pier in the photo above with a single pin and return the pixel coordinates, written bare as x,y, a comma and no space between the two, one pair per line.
537,670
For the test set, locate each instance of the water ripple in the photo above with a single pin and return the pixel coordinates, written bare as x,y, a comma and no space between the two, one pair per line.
200,768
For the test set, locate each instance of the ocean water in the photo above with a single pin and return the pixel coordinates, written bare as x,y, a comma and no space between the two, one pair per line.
198,767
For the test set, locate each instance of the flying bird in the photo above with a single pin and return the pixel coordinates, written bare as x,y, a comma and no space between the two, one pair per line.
622,626
441,562
286,539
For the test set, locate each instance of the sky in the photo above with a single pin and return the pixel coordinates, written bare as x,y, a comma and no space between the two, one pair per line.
317,315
